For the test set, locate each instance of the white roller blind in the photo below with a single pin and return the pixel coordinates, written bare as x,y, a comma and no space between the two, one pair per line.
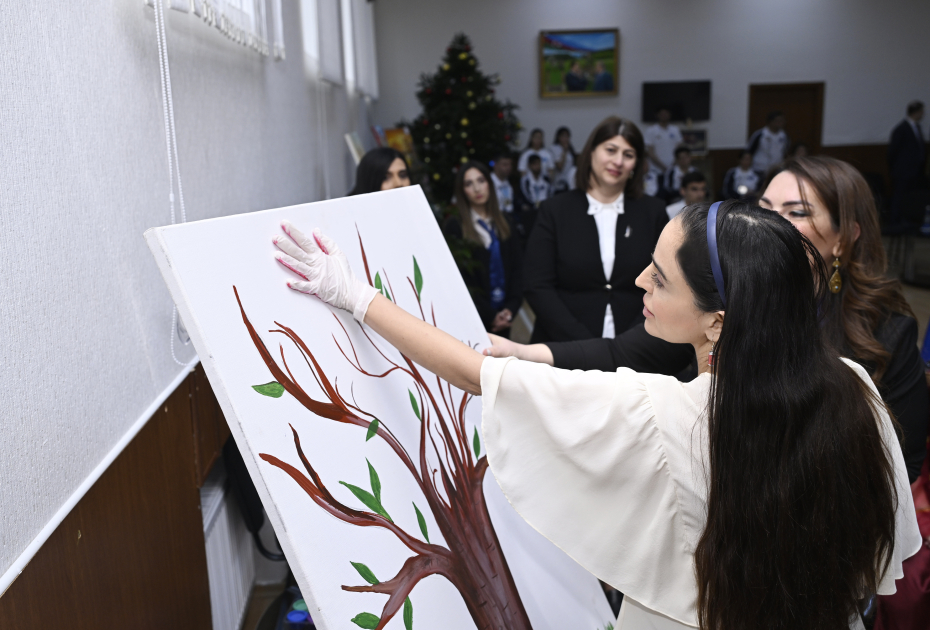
310,35
348,44
330,41
363,28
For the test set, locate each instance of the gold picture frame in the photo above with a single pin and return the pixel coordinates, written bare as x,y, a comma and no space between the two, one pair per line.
579,63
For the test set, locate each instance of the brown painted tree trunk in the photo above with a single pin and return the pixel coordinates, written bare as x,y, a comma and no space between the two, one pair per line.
481,571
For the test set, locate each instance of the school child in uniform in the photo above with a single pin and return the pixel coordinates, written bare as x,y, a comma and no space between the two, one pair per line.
741,182
671,183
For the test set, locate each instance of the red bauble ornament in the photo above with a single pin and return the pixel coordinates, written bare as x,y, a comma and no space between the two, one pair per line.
500,115
507,137
448,90
425,121
468,48
468,143
464,79
429,90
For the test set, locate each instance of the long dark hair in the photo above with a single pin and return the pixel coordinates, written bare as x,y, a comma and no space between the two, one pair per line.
610,127
571,149
868,296
493,207
373,168
801,495
529,139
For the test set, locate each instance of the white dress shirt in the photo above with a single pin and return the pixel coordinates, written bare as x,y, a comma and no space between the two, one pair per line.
605,217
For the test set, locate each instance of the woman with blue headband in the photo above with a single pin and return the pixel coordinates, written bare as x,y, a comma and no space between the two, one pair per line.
769,492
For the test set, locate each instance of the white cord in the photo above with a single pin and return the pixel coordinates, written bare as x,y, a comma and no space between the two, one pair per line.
170,140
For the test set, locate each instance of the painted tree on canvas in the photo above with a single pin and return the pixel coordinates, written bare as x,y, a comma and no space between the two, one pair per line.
447,468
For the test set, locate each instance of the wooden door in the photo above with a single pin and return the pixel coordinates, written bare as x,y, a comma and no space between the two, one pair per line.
802,104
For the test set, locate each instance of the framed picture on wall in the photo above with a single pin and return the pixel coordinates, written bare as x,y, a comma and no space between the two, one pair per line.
695,140
579,63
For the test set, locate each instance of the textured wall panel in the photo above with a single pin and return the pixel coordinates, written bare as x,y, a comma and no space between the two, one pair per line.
84,314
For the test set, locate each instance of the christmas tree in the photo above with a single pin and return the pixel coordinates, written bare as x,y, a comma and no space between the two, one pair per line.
461,119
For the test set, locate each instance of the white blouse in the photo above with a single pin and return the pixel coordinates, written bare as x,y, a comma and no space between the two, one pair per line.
609,466
605,218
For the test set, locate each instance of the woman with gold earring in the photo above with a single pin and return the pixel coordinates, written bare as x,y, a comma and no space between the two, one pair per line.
866,314
867,317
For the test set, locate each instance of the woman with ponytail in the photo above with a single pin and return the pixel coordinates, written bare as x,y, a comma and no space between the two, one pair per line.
768,493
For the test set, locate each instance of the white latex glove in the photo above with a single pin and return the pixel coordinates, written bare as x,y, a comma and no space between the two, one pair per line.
324,269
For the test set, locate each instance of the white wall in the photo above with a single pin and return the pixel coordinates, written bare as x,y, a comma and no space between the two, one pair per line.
84,313
873,56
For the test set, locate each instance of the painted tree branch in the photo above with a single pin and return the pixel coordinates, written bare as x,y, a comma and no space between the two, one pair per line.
448,475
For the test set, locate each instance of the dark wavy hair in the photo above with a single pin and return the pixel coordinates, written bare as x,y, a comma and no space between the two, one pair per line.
373,168
868,296
801,495
608,128
493,207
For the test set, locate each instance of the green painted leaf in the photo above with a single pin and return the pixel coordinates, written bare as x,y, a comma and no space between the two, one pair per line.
365,572
408,614
386,294
368,499
378,284
476,443
372,429
366,620
417,277
422,522
375,482
273,389
416,407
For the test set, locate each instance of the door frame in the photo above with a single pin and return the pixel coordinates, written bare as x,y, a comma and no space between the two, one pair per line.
759,89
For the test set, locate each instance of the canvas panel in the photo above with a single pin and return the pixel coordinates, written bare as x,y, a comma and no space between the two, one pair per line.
203,261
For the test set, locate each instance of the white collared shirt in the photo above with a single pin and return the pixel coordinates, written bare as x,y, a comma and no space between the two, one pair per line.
605,218
482,233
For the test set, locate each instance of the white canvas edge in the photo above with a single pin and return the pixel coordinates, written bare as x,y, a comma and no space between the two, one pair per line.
153,238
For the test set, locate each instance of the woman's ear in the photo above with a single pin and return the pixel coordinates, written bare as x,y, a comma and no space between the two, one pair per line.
715,325
838,248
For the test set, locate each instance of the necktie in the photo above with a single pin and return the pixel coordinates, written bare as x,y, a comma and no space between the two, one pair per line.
496,267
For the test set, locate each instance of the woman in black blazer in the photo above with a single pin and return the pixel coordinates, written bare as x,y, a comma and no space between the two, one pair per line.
494,271
565,279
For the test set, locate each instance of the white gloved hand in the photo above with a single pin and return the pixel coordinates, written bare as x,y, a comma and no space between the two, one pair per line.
324,269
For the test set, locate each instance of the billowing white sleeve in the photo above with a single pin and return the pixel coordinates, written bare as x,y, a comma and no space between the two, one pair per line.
579,456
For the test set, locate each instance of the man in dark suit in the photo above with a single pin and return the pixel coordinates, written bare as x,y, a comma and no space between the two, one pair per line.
906,157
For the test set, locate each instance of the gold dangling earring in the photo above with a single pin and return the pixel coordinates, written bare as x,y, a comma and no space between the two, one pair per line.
710,355
836,281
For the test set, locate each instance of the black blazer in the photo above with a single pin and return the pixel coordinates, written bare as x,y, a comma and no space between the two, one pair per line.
564,277
903,386
477,275
906,153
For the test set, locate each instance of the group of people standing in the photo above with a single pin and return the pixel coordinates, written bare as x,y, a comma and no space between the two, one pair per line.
706,450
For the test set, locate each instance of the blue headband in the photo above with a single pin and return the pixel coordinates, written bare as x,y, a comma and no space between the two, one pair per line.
712,249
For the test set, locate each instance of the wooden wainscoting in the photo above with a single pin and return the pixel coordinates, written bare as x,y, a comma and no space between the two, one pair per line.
868,158
131,553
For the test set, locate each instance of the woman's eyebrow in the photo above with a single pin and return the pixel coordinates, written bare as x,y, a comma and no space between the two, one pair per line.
659,269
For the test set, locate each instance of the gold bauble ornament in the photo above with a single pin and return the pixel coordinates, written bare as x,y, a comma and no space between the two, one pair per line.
445,66
464,122
436,176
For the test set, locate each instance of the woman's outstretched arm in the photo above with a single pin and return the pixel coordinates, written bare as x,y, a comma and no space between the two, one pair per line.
325,273
437,351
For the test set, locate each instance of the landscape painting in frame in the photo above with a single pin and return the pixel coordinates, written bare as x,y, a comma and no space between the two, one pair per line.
371,469
579,63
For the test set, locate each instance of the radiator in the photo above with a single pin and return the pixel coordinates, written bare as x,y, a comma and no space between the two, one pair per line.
230,558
